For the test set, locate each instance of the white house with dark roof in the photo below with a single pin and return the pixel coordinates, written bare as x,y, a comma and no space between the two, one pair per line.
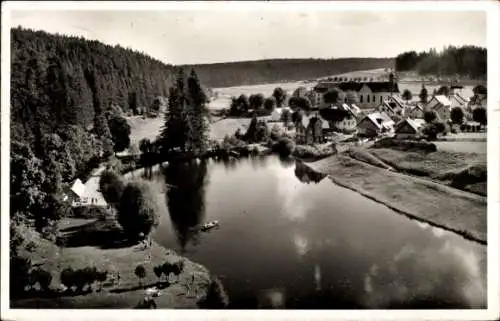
409,128
416,112
75,194
375,123
441,105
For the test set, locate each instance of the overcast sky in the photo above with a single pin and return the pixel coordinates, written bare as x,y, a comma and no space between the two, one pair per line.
185,37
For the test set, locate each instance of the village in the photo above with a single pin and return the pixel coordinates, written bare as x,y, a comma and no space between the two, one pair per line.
372,109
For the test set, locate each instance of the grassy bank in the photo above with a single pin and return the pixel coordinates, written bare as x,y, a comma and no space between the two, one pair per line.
466,171
439,205
96,243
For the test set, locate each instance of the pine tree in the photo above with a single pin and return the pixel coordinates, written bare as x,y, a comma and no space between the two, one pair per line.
423,95
174,131
102,131
198,114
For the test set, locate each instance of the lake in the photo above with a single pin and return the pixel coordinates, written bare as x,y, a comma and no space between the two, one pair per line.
291,238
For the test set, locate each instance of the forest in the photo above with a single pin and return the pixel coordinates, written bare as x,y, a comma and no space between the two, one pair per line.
68,101
465,61
278,70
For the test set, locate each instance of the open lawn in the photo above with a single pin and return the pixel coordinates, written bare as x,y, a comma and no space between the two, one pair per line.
95,243
462,170
436,204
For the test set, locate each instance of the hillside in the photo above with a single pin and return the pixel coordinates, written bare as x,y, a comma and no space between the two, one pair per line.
280,70
469,61
60,80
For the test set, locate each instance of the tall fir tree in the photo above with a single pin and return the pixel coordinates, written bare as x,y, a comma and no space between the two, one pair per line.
174,131
198,114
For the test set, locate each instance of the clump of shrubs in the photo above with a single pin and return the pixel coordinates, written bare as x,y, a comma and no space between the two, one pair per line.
216,297
168,268
433,129
137,210
82,280
111,186
284,147
92,211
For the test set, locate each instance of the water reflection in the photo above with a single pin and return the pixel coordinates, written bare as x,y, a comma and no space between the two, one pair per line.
434,277
306,174
321,245
186,198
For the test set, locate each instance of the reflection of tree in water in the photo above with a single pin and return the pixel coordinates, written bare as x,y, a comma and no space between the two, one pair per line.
287,161
186,197
306,174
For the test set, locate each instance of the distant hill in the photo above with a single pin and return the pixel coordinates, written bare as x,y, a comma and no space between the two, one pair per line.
468,61
279,70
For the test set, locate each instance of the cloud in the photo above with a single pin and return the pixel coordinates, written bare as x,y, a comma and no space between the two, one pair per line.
449,273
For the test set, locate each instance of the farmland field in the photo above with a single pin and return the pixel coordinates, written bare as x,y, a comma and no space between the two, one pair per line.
462,147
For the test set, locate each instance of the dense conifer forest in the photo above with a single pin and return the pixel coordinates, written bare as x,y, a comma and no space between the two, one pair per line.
466,61
277,70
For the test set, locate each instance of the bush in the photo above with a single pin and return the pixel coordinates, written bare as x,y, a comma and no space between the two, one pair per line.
19,274
140,272
216,297
44,278
81,278
432,130
284,147
91,211
111,187
137,210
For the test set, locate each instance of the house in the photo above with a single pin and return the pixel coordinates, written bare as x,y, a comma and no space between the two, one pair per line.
409,128
300,92
277,114
416,112
374,124
75,194
312,129
441,105
370,94
457,100
346,125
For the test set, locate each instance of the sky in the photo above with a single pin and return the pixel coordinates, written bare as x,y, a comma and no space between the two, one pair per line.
189,37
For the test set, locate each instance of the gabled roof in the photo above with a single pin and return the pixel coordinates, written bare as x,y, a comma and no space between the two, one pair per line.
413,123
442,99
78,188
397,100
459,98
386,105
416,124
386,121
381,86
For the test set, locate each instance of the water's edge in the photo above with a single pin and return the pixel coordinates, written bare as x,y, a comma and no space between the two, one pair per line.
465,234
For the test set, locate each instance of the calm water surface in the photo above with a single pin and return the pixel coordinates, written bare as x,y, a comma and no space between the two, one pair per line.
290,238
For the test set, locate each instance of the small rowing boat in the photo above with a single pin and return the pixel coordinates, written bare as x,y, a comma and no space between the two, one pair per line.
208,226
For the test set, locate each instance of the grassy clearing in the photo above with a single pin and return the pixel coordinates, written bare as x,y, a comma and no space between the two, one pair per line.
87,244
436,204
465,171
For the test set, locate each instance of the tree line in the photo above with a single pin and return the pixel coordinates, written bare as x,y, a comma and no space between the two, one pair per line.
464,60
277,70
68,98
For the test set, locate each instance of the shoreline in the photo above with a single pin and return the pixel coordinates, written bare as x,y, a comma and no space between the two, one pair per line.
412,197
185,291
